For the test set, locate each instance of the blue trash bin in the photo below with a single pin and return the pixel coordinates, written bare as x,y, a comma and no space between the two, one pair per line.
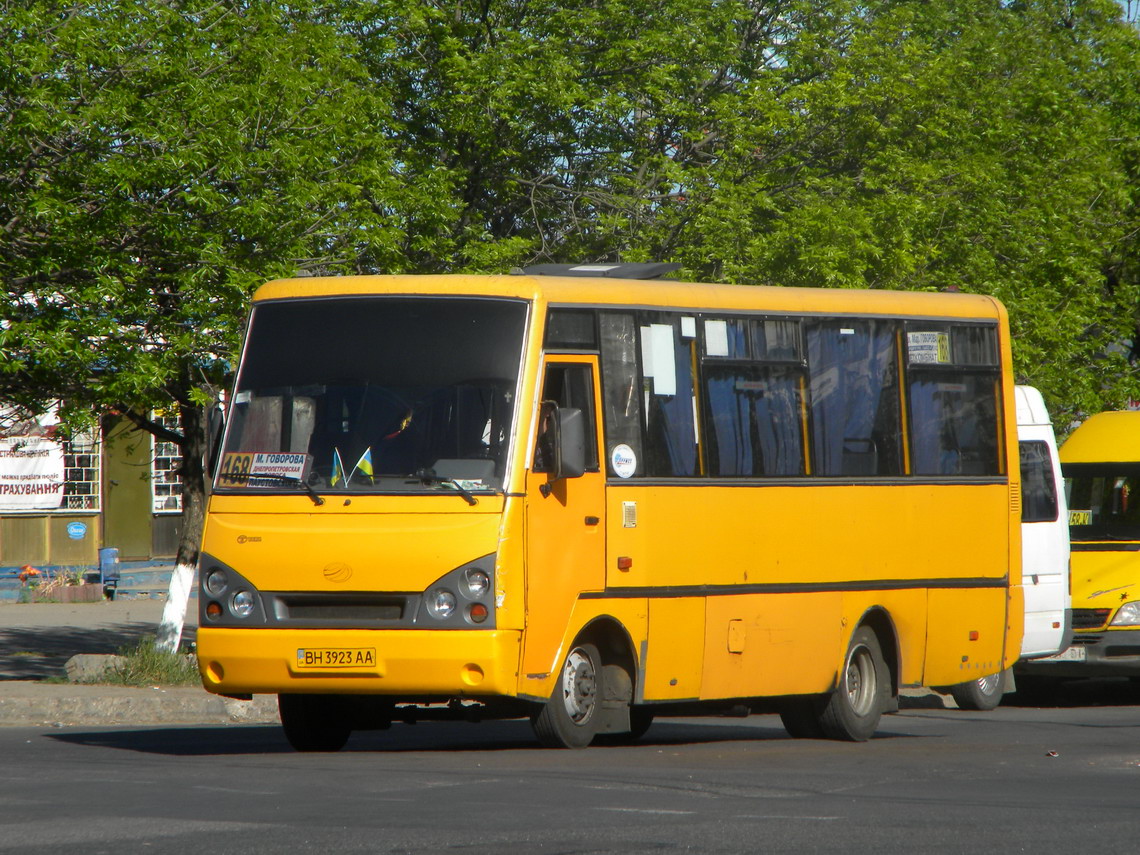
109,566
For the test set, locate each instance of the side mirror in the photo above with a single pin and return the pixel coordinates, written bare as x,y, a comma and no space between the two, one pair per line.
570,457
215,427
564,441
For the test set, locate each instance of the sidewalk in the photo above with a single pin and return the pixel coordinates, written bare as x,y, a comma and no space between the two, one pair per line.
37,639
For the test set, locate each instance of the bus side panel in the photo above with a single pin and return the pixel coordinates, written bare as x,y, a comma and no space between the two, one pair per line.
808,536
967,635
673,664
764,644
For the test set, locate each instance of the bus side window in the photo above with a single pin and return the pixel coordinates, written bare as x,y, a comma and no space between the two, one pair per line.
621,397
856,427
953,386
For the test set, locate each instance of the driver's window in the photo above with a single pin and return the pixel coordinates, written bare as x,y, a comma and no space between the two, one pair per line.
565,385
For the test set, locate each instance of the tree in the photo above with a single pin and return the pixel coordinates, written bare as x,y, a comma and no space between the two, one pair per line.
981,145
158,160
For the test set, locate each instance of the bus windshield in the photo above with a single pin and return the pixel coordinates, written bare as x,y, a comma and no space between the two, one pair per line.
1104,500
375,395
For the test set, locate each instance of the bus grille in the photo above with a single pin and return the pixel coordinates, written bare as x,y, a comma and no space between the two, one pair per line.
341,608
1090,618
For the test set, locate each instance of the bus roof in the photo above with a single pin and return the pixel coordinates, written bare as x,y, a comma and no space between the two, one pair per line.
655,293
1105,438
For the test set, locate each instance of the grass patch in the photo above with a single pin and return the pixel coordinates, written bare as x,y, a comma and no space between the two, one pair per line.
146,665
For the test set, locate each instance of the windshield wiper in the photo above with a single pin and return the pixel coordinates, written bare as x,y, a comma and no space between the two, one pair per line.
278,479
428,477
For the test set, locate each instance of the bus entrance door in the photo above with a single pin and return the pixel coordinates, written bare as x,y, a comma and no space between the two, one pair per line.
565,517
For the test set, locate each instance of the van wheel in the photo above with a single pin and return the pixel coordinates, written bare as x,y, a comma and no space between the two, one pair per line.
983,694
570,718
853,710
314,722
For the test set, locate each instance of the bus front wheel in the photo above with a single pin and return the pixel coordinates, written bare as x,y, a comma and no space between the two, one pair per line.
569,719
313,722
853,711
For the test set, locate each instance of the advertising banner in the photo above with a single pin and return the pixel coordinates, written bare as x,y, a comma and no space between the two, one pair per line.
31,473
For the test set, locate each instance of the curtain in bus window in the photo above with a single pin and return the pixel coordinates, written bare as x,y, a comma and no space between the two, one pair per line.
854,424
953,424
754,419
671,436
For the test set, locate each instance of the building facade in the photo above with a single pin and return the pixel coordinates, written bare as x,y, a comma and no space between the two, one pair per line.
64,499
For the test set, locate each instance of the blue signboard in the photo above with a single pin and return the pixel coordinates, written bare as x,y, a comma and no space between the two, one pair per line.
77,530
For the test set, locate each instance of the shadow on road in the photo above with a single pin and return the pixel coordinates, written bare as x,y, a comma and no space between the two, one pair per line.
1096,692
39,653
514,735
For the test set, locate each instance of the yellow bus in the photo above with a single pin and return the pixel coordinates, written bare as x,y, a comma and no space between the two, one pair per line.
590,496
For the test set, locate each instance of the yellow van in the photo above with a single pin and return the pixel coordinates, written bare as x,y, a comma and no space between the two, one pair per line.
1101,465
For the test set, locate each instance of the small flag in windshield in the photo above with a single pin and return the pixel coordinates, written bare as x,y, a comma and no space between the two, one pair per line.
337,469
364,464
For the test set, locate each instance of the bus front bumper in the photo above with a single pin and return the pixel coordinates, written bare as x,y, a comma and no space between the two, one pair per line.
402,663
1107,653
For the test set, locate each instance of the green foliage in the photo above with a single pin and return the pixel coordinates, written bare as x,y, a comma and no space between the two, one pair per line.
160,159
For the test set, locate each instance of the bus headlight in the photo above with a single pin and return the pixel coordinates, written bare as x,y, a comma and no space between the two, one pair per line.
242,604
478,583
216,582
1127,615
440,603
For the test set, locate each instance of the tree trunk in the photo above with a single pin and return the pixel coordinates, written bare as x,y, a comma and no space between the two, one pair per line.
194,426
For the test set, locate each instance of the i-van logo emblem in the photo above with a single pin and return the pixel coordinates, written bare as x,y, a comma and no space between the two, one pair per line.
337,572
245,538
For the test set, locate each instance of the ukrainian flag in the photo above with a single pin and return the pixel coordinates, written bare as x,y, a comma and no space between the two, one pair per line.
337,469
364,464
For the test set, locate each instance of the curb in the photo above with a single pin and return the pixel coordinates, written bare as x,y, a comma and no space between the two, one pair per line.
31,704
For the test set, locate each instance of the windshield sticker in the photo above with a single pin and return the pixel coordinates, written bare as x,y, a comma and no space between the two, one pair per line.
928,348
623,461
242,467
1080,517
466,484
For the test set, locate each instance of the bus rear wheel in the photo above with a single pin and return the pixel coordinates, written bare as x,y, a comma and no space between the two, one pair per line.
314,722
983,694
853,710
571,717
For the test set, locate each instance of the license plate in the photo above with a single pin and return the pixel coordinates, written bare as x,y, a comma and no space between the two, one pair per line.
336,657
1073,654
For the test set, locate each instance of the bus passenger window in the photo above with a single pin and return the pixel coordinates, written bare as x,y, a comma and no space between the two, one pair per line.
621,399
667,369
953,396
855,424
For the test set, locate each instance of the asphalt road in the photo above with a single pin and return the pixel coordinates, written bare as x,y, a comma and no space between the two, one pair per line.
1018,779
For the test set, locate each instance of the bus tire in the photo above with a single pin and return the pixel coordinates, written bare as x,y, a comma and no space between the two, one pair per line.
800,717
982,694
571,717
313,722
853,710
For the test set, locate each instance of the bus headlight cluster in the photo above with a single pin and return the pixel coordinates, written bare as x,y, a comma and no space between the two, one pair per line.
462,597
1127,615
224,596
